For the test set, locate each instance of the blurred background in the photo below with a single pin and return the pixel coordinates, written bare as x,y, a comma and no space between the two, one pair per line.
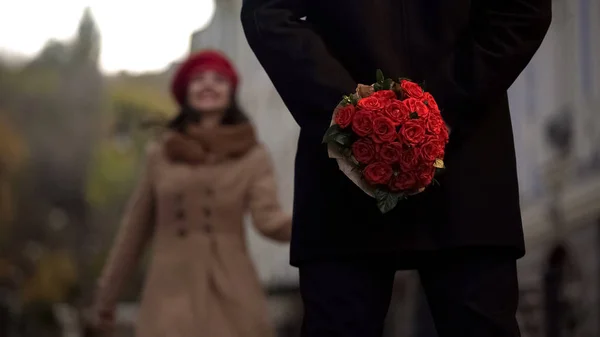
80,79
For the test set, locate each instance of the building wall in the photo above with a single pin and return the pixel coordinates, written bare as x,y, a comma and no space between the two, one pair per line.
563,79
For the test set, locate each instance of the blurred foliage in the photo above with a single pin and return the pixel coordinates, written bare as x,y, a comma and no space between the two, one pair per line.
53,280
133,101
7,272
73,140
21,81
110,174
13,150
13,154
145,95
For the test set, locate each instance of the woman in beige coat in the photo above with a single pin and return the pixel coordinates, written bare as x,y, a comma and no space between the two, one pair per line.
200,179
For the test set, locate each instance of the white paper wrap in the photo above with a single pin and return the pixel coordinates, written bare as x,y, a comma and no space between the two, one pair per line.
348,169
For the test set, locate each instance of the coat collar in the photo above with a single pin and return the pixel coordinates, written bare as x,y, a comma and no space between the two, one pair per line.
199,145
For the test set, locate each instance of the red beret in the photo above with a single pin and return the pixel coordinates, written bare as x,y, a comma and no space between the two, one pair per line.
201,61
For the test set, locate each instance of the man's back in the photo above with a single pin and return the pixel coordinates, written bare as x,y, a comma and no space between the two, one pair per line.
400,37
467,53
463,236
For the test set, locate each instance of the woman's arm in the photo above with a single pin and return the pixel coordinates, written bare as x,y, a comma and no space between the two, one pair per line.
136,228
267,215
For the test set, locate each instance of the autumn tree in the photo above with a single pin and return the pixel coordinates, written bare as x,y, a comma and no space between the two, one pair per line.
57,100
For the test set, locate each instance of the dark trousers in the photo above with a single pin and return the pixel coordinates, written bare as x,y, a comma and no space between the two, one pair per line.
471,293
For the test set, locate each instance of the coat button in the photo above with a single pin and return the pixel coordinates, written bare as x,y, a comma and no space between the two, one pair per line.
209,191
208,229
207,212
180,214
182,232
179,197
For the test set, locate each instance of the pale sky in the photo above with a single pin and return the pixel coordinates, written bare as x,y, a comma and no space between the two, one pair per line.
137,35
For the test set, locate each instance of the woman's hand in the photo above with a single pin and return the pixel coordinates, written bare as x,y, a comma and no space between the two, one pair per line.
102,321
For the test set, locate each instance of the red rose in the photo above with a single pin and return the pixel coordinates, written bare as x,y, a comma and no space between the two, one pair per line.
384,130
414,105
343,117
432,149
430,102
425,175
409,160
412,132
435,123
397,111
385,95
370,103
411,89
404,181
363,151
378,173
390,153
444,136
362,123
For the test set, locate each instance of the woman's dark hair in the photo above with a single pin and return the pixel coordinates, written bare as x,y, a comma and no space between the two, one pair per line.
233,115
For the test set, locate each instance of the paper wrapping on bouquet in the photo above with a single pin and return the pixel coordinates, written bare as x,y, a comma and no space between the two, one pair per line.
348,169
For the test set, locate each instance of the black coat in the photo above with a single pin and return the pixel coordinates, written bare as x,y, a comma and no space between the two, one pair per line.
467,52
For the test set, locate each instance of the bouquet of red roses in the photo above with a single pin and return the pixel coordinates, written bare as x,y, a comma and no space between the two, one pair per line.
389,138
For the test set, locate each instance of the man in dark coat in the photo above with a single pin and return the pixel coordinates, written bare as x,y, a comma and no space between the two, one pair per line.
463,236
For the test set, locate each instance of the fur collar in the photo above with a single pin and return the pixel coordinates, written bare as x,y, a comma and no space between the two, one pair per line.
198,145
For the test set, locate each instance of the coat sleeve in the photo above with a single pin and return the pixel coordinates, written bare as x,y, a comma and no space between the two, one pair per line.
267,215
135,229
295,58
502,38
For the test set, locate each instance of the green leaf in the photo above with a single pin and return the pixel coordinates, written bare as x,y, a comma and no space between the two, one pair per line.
335,134
331,133
346,100
380,77
343,138
387,84
354,99
377,86
414,115
386,201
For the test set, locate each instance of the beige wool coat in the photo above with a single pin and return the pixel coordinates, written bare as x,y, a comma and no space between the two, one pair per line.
201,280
